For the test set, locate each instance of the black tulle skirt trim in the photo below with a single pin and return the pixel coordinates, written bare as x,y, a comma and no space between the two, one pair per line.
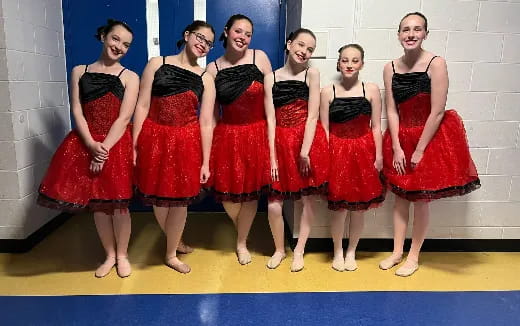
239,198
429,195
153,200
296,195
107,206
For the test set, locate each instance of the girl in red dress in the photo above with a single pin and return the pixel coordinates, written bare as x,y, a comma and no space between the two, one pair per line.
240,152
351,114
297,141
92,168
171,161
426,153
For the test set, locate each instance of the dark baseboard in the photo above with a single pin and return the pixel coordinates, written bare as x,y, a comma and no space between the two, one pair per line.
443,245
24,245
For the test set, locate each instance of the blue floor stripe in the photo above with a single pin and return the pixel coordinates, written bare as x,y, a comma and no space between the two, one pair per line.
338,308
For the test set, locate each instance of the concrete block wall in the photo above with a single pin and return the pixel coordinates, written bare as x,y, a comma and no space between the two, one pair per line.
481,43
34,112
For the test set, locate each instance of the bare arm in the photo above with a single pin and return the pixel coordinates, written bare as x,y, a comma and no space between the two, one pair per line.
263,63
96,148
143,102
439,93
126,111
399,160
207,124
313,112
271,123
325,99
375,102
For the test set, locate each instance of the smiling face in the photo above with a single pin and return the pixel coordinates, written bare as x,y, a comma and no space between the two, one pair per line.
412,32
350,62
116,42
301,48
239,35
200,41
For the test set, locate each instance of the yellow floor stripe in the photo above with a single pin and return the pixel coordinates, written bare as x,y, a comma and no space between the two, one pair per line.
64,263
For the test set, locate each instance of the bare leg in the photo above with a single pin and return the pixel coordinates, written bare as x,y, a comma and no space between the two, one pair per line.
337,230
174,227
421,220
357,222
244,221
161,214
305,229
122,229
105,232
401,216
277,228
232,210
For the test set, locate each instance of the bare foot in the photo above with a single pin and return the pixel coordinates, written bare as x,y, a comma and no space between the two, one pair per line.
176,264
123,267
106,267
390,262
276,260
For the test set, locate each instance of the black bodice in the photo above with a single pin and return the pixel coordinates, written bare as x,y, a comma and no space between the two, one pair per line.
171,80
232,82
343,109
93,85
287,91
406,86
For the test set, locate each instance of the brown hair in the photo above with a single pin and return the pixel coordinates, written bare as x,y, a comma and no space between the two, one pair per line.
414,14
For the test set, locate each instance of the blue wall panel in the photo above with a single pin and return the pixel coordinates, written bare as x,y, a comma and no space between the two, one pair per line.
174,15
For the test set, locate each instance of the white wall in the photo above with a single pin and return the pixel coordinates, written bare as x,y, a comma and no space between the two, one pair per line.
34,113
481,43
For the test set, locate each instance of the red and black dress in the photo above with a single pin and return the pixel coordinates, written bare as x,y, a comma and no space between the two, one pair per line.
69,185
354,182
446,168
169,152
240,152
290,98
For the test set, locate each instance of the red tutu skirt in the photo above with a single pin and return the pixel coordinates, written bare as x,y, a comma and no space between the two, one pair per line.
240,161
354,182
70,186
446,168
291,184
168,164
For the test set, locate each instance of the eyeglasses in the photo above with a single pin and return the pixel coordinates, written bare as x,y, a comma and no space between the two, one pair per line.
201,39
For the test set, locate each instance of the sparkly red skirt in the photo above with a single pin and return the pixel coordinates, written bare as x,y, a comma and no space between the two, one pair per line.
239,161
354,182
70,186
291,184
446,168
169,158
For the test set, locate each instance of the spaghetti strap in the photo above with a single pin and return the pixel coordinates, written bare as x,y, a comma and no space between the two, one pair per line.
164,60
86,67
305,79
428,67
203,73
121,72
393,68
274,76
254,52
215,62
363,84
334,90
